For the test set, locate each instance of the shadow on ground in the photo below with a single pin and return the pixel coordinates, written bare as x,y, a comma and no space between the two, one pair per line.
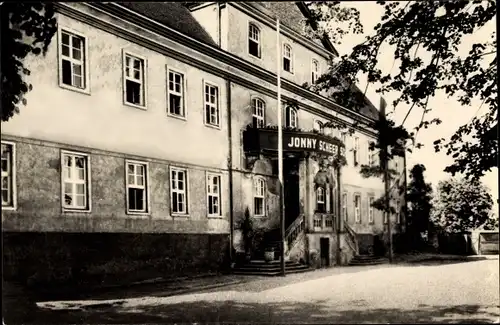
272,312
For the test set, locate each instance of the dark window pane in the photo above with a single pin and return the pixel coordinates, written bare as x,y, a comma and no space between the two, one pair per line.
253,48
175,104
133,92
210,205
174,203
135,199
66,72
286,64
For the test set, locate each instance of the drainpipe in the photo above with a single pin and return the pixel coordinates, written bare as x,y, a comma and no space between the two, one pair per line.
339,215
219,24
230,169
405,187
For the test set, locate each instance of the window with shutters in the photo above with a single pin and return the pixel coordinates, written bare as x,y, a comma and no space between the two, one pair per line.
287,58
357,208
314,71
291,117
370,210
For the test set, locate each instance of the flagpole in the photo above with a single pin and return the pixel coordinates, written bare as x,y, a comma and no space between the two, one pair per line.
280,147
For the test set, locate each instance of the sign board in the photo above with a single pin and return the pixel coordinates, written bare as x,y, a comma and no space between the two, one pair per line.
301,142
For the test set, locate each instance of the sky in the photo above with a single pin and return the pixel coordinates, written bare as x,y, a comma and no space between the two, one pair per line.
448,110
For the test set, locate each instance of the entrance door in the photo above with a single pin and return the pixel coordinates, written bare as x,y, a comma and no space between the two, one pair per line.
324,246
292,195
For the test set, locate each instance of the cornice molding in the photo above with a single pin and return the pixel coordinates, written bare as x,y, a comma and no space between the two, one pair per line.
226,58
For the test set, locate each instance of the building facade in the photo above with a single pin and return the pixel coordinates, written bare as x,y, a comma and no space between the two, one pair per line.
132,145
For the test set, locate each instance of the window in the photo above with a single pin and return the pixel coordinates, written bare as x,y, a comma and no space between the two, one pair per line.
137,187
356,151
254,40
178,190
287,58
344,206
259,109
370,210
369,153
291,117
211,105
134,81
213,195
72,60
357,208
76,182
314,71
321,199
398,214
176,93
318,126
8,175
343,137
259,197
318,221
329,221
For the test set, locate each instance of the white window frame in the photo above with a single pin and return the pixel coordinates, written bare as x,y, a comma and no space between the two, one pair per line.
87,182
259,185
184,213
259,43
357,209
85,62
314,70
255,111
12,171
183,93
284,56
321,191
292,123
371,218
211,193
344,206
143,81
369,153
145,186
215,106
356,155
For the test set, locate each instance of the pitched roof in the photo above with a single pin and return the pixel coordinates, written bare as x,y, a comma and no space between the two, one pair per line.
173,15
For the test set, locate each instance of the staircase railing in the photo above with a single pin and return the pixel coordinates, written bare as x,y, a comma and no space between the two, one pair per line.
352,238
294,230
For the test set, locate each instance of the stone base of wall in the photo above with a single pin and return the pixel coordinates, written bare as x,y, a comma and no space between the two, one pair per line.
78,258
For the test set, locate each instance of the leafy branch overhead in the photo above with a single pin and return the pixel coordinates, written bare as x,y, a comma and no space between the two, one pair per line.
26,28
415,30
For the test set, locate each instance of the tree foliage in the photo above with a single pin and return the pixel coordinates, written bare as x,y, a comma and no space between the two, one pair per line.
461,205
26,28
413,29
419,197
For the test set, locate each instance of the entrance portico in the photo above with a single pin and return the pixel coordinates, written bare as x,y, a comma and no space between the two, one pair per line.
312,163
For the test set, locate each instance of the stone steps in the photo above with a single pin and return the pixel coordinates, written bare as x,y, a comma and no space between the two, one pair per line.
360,260
272,268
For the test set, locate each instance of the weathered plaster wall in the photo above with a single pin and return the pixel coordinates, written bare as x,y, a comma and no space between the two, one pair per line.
39,195
101,120
314,245
238,45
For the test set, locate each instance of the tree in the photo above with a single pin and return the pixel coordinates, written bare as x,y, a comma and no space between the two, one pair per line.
419,197
26,28
461,205
414,28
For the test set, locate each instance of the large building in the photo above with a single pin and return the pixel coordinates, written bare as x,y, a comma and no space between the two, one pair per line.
151,129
